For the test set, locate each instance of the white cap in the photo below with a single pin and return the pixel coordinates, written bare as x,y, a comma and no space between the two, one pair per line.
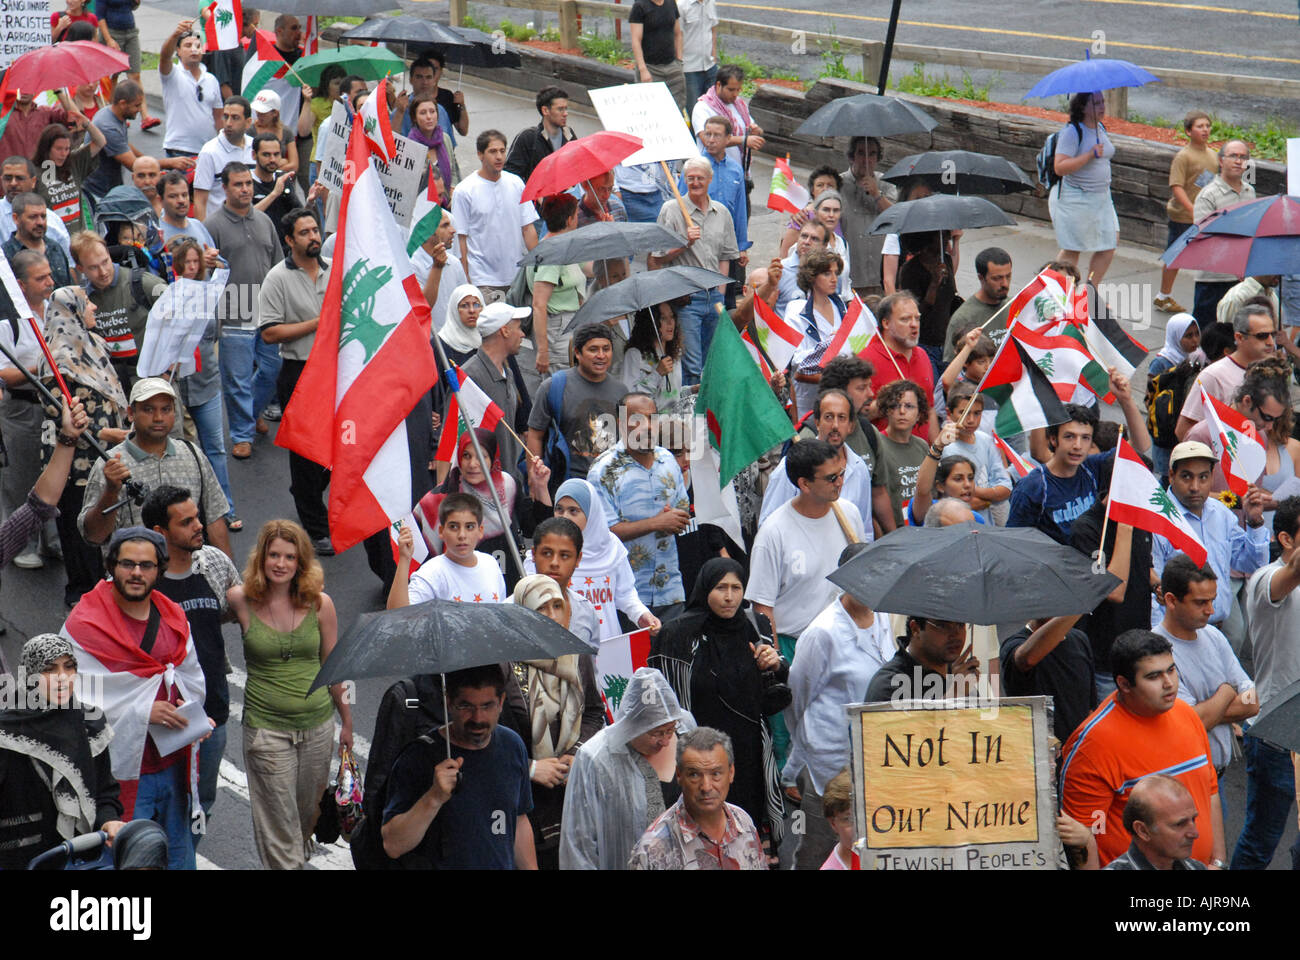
497,315
266,101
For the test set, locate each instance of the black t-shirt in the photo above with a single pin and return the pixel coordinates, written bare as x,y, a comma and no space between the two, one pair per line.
290,199
475,830
657,43
904,677
1065,674
203,611
1108,620
447,100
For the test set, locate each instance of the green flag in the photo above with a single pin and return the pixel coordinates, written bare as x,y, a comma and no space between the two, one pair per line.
745,419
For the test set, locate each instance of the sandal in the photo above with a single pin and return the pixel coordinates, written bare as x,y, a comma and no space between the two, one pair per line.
149,123
234,524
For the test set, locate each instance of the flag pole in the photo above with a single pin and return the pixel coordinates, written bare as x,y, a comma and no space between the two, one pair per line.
979,386
889,353
1099,559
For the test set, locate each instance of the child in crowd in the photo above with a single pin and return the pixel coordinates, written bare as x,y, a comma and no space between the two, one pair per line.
992,483
460,573
837,805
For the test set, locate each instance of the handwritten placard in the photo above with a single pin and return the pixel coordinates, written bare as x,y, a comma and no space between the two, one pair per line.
24,26
648,111
946,786
401,177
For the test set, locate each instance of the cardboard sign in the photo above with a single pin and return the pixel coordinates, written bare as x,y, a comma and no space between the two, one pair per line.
941,785
24,26
401,178
648,111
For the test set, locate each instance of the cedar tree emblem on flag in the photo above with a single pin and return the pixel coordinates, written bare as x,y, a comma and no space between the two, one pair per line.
360,284
1160,500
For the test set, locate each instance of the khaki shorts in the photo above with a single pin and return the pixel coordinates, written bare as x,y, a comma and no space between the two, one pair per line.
129,41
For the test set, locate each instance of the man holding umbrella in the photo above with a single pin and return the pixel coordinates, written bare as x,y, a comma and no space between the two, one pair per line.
865,196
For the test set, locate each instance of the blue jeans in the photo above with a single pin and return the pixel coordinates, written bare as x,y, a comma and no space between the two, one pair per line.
247,392
211,751
697,321
642,207
1206,297
212,438
164,798
1270,796
1105,685
698,81
1160,459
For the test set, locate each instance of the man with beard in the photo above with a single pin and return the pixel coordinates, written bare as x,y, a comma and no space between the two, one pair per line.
934,662
31,233
289,306
140,666
197,578
993,267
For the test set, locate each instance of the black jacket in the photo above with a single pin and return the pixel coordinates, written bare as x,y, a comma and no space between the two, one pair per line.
529,148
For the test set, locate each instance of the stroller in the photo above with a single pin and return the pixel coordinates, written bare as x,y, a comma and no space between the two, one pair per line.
126,220
140,845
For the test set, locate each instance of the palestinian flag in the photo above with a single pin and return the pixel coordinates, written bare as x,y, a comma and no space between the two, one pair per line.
376,125
1136,498
786,193
854,333
1236,441
370,365
1025,397
618,658
425,218
1065,360
468,404
744,418
1016,462
264,64
7,100
223,22
770,340
1107,340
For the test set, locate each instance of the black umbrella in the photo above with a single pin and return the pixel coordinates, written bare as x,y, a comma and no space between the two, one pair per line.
603,240
960,171
645,290
1279,722
866,115
484,50
940,212
406,28
975,574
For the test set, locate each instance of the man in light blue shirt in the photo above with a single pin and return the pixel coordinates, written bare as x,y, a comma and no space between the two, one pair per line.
728,184
1230,547
645,500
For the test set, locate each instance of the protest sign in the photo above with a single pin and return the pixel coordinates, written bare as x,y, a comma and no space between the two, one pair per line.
400,179
24,26
941,785
648,111
177,322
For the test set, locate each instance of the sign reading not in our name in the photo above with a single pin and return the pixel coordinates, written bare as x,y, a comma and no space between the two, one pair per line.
946,785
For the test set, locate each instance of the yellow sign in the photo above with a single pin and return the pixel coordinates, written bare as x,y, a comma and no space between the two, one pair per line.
946,778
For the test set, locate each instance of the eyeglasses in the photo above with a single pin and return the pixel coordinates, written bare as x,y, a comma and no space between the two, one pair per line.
947,626
1263,335
145,565
199,91
832,477
905,407
473,708
1236,156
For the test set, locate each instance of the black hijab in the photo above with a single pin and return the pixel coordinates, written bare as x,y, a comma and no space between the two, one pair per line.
697,607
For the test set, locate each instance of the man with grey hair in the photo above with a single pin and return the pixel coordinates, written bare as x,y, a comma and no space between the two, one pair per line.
1160,816
1229,187
701,831
948,511
1255,330
711,244
30,233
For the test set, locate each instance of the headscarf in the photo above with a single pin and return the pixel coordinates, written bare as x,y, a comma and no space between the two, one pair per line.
454,333
600,548
456,483
1175,330
62,741
79,354
711,574
554,687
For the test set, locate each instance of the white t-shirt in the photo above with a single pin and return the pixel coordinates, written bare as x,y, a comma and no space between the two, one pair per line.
443,579
490,217
26,349
791,557
212,159
1274,629
701,112
189,117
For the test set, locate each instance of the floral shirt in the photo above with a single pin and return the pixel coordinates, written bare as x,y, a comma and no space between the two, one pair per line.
631,492
676,842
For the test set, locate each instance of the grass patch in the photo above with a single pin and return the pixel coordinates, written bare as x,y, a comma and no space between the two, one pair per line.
606,49
753,71
1267,137
922,84
148,61
518,32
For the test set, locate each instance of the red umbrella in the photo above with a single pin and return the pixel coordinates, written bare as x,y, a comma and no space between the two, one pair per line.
580,160
67,64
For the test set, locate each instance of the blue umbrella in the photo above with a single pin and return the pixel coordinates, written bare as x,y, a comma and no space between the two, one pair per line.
1089,75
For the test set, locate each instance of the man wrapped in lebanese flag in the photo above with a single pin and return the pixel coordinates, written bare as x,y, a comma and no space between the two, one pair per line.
137,681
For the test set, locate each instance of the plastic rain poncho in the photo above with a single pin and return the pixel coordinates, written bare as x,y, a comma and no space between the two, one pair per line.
605,803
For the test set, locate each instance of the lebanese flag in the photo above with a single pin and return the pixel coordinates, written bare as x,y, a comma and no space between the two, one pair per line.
370,364
854,333
770,338
1136,498
1065,360
1026,398
1017,463
618,659
1236,442
786,193
378,128
421,553
311,36
470,402
264,64
1045,301
425,217
223,22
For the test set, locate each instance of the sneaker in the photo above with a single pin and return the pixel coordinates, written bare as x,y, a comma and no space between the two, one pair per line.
1167,304
272,412
323,547
30,560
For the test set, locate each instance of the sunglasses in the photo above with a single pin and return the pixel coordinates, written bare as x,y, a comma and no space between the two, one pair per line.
832,477
1268,418
1264,335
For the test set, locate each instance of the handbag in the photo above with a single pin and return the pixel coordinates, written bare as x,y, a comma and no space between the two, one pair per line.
348,795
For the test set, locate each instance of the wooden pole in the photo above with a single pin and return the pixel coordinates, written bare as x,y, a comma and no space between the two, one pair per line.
681,202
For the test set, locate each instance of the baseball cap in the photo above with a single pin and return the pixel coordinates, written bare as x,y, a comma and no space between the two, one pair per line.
151,387
1191,450
497,315
266,101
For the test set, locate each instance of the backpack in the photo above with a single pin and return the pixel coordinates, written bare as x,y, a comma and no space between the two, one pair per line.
555,449
520,294
1165,395
1046,159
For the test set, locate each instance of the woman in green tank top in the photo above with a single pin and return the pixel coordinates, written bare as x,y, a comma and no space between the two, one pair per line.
290,627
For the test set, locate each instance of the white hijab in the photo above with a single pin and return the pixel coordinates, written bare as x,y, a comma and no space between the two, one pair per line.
454,333
1175,330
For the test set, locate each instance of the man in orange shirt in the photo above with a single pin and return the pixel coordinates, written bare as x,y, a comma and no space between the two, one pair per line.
1140,729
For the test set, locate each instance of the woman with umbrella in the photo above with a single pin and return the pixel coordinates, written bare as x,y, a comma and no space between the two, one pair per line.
650,363
729,676
1083,213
